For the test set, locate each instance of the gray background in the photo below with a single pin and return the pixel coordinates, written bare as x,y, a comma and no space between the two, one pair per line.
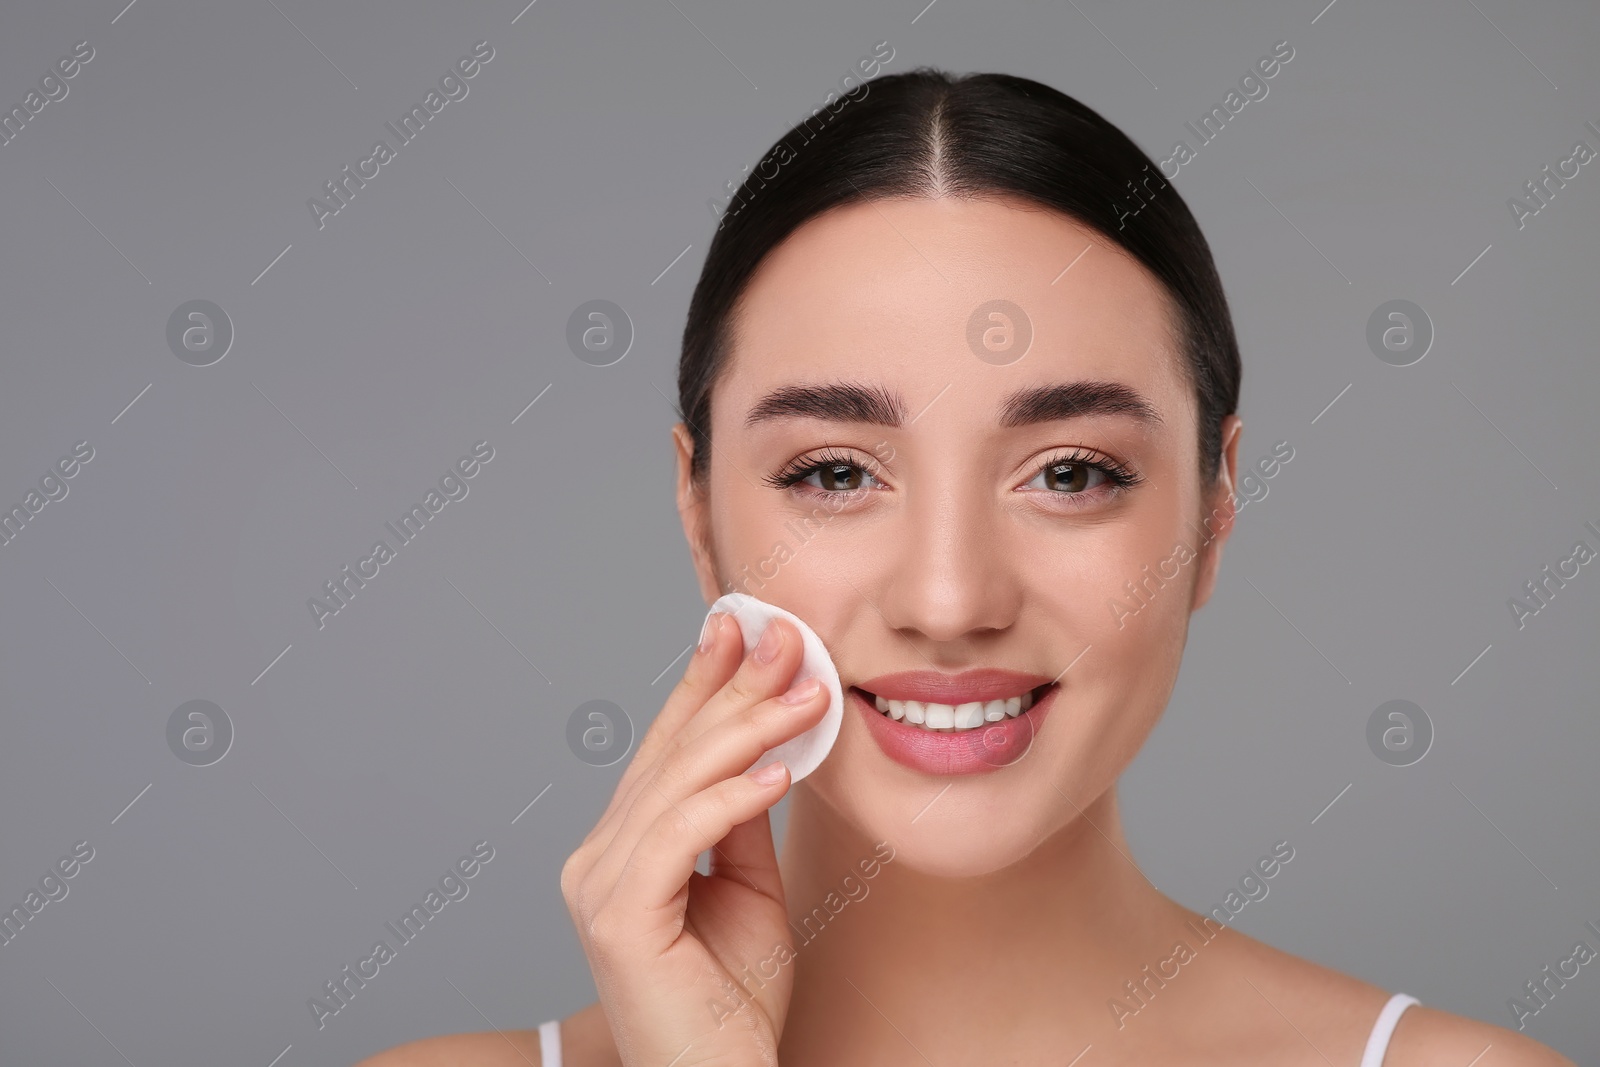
427,315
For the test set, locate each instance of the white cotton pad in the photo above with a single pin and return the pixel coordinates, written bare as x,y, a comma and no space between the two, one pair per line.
805,753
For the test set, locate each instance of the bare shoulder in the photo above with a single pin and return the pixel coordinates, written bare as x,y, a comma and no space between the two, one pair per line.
1427,1037
513,1048
585,1042
1333,1013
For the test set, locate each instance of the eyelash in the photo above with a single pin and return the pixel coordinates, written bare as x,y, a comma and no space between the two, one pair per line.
798,470
1118,478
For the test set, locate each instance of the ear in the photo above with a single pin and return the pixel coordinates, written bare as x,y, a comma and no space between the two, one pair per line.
1217,513
693,510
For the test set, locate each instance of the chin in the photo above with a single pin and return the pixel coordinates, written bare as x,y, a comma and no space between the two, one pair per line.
960,849
963,826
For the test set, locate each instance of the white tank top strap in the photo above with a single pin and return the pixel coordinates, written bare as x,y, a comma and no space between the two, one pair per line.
1383,1029
550,1043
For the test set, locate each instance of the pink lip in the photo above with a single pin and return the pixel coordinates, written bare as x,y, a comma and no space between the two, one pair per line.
979,683
976,751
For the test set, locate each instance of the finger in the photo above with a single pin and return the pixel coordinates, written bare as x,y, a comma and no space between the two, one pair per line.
649,884
708,671
714,661
721,753
747,856
765,672
754,680
718,756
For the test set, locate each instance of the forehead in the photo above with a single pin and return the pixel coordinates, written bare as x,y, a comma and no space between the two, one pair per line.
888,290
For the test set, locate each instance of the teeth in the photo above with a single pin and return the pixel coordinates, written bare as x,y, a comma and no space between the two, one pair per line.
950,718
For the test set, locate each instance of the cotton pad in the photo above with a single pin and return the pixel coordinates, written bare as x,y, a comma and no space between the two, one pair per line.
805,753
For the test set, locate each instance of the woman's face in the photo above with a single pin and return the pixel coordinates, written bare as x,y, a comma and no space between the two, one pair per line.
963,516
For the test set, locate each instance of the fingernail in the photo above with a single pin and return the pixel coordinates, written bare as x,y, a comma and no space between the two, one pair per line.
768,775
708,631
771,641
802,692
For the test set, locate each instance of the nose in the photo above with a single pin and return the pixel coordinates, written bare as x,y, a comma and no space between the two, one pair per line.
953,574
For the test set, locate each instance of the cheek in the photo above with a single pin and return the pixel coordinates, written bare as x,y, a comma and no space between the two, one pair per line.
1118,587
745,530
795,553
1122,602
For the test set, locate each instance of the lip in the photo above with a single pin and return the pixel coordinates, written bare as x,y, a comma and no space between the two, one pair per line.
977,751
979,683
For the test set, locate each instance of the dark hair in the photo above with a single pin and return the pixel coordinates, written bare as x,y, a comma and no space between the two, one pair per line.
928,133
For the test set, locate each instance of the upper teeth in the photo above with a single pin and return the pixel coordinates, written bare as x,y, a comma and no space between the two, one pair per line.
953,717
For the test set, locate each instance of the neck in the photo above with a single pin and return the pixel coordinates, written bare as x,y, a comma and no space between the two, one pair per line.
1052,937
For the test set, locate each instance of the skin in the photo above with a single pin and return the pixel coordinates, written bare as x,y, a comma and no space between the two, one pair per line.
1011,912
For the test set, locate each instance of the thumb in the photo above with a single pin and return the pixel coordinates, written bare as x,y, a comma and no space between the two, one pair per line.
747,856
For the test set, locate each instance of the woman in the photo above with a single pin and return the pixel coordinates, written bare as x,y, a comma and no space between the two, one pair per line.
958,389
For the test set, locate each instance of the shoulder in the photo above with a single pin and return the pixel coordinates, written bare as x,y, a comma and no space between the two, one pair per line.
511,1048
1427,1037
585,1042
1320,1013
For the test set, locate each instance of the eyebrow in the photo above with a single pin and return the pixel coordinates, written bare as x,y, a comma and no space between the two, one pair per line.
874,405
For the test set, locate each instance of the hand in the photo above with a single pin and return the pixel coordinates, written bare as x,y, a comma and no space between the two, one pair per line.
668,945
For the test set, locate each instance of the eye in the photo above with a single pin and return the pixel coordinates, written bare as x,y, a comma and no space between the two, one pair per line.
836,477
1068,477
831,472
1076,474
